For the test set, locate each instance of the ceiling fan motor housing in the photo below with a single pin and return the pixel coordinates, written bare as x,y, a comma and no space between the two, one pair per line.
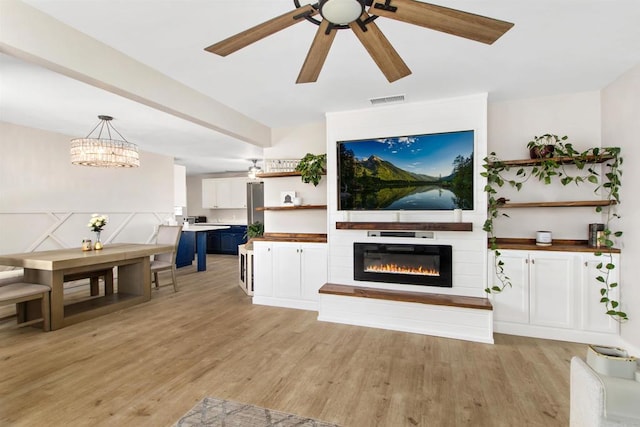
341,12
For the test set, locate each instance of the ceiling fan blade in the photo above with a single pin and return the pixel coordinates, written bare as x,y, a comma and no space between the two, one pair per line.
379,48
439,18
317,53
245,38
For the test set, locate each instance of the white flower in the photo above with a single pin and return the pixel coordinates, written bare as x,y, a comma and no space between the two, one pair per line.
97,222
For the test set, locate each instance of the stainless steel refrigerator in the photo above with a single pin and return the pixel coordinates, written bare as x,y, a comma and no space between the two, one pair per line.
255,199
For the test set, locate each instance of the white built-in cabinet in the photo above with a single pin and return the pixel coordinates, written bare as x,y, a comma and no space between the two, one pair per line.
224,193
289,274
553,295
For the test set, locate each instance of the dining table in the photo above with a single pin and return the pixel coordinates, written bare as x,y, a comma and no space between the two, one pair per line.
132,261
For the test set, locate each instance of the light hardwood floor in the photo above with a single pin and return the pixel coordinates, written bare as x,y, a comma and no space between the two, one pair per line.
148,365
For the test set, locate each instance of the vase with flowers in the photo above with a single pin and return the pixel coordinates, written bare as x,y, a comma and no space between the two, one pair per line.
96,224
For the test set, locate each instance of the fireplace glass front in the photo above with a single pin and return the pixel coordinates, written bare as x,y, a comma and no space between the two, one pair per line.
428,265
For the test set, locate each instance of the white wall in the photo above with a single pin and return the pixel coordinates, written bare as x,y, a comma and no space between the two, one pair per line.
512,125
294,143
469,248
621,127
45,201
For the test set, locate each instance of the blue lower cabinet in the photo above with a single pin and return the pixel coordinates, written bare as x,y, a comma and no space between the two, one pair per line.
186,250
226,241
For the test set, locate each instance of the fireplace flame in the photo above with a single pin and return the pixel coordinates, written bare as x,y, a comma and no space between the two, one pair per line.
401,269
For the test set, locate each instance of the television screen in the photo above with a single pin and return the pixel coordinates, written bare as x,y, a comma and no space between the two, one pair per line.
417,172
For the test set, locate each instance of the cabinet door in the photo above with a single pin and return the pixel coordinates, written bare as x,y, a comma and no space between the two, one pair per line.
286,270
552,281
239,193
228,243
213,242
223,194
512,304
262,269
594,317
209,194
313,270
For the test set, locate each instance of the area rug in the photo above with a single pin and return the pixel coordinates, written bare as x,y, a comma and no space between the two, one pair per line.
212,412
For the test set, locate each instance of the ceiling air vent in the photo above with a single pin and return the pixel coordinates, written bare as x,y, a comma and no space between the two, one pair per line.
387,99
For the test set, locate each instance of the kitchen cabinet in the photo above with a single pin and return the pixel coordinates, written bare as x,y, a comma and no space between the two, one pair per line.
553,295
262,269
289,274
226,241
186,249
224,193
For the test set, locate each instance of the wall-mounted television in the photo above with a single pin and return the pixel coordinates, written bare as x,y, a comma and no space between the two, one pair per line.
427,172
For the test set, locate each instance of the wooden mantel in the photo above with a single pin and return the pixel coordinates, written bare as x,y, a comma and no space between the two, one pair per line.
406,226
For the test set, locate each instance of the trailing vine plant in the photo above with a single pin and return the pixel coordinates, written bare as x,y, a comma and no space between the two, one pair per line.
548,169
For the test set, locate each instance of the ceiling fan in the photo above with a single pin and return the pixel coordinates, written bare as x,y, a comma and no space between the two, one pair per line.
359,16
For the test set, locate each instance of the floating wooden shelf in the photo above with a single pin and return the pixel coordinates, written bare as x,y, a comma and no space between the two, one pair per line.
565,204
276,174
293,237
406,226
407,296
562,160
558,245
290,208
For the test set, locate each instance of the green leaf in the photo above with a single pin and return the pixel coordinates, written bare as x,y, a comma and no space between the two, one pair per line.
614,304
593,179
610,266
600,279
618,233
603,291
604,299
613,285
599,266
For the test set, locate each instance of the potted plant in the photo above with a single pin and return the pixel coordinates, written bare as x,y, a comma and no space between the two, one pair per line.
253,230
542,147
312,167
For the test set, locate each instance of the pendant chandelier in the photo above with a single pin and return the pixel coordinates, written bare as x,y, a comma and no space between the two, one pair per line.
104,151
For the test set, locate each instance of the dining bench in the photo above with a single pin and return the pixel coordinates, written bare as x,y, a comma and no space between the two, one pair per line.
20,292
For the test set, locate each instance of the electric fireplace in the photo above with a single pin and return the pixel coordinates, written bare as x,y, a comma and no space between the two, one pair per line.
427,265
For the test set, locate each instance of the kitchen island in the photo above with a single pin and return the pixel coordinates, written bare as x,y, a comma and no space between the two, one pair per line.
199,234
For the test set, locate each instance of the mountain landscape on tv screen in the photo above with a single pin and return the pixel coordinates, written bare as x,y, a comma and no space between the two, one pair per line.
374,183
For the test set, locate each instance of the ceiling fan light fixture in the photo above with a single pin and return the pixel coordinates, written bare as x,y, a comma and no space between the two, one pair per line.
104,151
253,169
341,12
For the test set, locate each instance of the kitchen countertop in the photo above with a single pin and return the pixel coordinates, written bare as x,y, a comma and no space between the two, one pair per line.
206,224
195,228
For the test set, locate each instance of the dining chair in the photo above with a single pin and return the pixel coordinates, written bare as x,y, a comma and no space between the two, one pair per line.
167,235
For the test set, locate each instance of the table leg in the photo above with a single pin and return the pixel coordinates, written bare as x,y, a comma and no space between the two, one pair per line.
55,279
201,247
135,278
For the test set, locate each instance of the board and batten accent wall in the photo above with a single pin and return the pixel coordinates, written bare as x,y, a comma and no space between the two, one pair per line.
46,202
469,248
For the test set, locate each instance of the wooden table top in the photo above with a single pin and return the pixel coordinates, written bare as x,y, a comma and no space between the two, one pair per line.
60,259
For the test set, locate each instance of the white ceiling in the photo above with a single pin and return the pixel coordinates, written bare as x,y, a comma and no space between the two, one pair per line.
556,46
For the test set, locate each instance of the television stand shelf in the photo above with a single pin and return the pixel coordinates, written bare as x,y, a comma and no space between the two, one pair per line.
406,226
